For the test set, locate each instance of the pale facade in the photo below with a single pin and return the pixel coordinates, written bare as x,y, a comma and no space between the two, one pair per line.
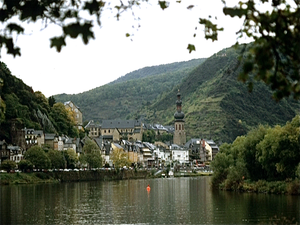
117,130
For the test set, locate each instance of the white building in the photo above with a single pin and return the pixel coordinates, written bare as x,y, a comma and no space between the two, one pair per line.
179,154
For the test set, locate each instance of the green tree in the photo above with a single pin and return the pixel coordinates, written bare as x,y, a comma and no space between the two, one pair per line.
2,110
71,158
62,120
51,101
8,165
90,146
221,164
2,103
264,154
279,150
92,154
25,165
37,156
250,153
57,159
120,158
275,51
94,159
148,136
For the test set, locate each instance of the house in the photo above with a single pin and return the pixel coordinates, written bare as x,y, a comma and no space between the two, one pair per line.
107,149
93,128
197,150
16,153
49,140
132,151
70,143
33,137
179,154
164,152
211,149
76,113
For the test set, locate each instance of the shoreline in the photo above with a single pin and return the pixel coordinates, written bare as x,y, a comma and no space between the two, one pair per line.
289,187
77,176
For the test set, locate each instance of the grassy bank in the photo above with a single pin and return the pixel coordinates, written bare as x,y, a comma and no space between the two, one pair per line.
290,187
26,178
70,176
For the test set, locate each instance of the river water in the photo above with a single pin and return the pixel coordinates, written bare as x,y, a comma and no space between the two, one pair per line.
170,201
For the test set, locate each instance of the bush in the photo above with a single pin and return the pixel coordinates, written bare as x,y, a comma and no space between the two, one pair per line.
298,171
293,187
43,176
8,165
25,165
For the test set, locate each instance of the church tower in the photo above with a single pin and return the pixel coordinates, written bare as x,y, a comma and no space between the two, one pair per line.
179,137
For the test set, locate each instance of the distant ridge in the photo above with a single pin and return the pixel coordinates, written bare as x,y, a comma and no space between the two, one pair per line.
157,70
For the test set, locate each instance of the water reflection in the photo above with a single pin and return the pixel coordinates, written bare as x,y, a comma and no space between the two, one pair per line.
170,201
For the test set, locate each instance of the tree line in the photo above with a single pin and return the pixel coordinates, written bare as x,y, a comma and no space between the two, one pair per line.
265,153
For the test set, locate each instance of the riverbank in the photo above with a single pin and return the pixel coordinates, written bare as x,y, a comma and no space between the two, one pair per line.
288,187
70,176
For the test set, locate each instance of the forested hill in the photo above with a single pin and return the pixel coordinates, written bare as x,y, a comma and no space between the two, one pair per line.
122,98
218,106
21,107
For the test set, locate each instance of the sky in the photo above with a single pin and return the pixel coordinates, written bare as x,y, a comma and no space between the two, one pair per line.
162,38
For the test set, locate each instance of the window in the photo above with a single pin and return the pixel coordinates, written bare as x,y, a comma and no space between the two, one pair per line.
179,127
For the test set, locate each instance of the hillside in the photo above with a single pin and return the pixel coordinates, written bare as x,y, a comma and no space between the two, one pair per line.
215,104
157,70
218,106
128,94
21,107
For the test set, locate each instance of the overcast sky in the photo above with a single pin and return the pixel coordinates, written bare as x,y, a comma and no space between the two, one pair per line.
162,38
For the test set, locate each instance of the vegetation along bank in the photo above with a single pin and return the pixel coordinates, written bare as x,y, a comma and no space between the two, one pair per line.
266,160
70,176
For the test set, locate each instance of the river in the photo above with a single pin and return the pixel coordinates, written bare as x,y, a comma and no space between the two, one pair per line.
170,201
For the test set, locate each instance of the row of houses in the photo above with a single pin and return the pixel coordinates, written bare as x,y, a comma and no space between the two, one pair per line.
141,153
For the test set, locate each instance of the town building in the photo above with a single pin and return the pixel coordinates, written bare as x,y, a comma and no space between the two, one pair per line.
197,150
93,128
212,149
117,130
179,154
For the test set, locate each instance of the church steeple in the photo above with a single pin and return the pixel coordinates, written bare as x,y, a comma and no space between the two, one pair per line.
179,137
179,115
